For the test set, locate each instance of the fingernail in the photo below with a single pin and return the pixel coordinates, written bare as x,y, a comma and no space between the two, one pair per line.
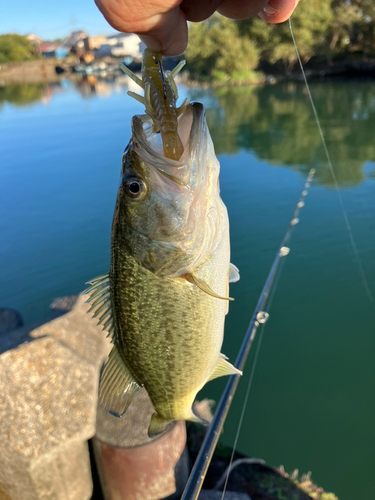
270,11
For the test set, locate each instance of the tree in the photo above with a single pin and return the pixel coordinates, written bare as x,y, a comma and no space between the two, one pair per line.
16,48
216,50
310,22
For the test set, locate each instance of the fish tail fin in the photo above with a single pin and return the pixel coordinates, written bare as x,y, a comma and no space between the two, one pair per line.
158,425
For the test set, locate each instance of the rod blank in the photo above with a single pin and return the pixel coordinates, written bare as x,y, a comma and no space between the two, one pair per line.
204,457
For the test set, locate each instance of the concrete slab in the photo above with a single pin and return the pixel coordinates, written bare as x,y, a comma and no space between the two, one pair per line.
48,398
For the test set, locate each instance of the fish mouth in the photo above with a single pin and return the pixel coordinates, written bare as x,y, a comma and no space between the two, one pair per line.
148,144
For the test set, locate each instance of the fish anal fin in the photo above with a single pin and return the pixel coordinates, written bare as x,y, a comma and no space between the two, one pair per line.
203,286
117,387
158,425
222,368
234,273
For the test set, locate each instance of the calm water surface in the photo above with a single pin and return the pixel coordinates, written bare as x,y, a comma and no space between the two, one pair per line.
312,403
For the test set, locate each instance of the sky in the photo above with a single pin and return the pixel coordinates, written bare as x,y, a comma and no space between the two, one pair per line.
53,19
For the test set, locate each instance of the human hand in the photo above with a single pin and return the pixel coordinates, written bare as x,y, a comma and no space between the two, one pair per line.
162,26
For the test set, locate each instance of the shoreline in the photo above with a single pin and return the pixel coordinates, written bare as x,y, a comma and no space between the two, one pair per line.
55,70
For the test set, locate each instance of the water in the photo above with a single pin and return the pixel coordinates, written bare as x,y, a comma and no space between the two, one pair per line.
312,403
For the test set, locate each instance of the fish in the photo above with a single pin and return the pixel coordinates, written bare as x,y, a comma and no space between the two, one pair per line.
165,298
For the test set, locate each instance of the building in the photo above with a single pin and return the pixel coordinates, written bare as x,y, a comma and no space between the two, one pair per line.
94,42
121,45
75,41
53,49
35,40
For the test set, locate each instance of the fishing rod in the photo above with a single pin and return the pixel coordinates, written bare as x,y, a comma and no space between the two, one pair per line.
199,471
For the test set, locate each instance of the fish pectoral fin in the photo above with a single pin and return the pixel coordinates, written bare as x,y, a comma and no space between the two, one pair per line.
100,298
204,287
117,387
222,368
158,425
234,273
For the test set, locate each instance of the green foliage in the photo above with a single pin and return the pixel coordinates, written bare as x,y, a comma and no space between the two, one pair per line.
16,48
310,23
277,123
221,49
217,51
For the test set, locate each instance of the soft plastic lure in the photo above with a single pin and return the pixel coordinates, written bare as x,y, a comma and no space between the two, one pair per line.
160,97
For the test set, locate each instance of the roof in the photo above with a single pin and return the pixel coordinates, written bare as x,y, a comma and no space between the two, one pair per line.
74,38
49,46
121,35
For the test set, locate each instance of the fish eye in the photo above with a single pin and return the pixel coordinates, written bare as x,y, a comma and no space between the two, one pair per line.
134,187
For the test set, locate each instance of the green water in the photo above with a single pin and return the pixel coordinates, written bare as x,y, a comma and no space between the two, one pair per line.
312,403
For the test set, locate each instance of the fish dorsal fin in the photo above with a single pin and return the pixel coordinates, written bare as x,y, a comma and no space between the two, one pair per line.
222,368
99,295
117,387
234,273
203,286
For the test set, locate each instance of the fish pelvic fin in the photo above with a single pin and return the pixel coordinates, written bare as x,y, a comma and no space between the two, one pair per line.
203,286
234,273
117,387
222,368
158,425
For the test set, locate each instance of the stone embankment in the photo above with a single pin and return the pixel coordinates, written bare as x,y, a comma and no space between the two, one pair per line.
43,70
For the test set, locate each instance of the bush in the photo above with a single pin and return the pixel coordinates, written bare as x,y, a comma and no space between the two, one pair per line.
217,51
16,48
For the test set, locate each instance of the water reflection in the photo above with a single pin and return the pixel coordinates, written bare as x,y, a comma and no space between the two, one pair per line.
276,122
23,94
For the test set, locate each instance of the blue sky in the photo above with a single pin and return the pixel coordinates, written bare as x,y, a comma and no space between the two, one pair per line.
52,19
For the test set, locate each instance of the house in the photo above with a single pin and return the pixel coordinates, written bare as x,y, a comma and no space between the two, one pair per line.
75,41
35,40
121,45
53,49
94,42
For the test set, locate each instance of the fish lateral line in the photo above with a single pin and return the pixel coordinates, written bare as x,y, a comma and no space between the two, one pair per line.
160,97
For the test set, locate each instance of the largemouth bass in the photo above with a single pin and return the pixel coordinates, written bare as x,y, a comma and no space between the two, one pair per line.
165,298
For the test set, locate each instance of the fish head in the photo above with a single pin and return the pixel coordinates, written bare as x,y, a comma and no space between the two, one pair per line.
171,210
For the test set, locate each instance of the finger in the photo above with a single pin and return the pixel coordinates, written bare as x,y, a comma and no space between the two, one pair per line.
241,9
278,11
169,36
199,11
160,23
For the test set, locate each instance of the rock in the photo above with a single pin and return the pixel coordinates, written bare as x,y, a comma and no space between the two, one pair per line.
47,403
48,399
79,331
10,320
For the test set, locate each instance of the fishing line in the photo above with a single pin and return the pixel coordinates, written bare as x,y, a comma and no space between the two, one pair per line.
283,251
232,464
259,317
348,225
